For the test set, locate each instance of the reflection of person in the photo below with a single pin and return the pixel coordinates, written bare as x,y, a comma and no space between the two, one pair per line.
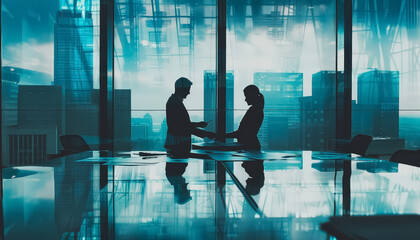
251,122
255,170
174,173
180,127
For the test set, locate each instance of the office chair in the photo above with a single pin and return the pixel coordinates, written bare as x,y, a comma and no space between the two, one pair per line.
409,157
73,144
359,144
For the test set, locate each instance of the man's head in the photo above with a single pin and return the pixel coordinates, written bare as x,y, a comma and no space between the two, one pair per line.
182,87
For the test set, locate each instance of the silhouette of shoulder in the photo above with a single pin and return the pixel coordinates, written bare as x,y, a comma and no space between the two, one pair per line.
174,101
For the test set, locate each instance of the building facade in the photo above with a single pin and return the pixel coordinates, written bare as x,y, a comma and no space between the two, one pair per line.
282,92
210,100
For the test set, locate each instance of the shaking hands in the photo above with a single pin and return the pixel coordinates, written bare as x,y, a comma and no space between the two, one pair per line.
202,124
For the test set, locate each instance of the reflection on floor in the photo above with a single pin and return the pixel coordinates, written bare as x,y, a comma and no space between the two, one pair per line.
193,199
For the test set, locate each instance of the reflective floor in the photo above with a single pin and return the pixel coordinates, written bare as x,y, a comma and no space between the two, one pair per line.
285,196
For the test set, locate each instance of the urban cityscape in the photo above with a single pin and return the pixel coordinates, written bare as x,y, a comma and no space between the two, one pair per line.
40,104
123,184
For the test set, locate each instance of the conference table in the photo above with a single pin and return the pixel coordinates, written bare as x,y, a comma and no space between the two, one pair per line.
213,194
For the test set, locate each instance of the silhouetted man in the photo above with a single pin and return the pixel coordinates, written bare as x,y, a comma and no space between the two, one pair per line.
173,172
180,127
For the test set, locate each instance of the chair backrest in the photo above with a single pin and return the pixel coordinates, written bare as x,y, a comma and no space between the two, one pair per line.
74,143
360,143
410,157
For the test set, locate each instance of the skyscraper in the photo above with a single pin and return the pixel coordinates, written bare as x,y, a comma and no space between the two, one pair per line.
73,70
377,110
281,112
210,100
318,112
39,125
9,92
41,106
73,55
32,116
142,134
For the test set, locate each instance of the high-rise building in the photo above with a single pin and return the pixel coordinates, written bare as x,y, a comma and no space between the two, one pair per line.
281,92
73,55
73,70
9,93
163,131
142,135
41,106
40,123
27,145
83,119
32,116
377,110
318,112
210,100
142,128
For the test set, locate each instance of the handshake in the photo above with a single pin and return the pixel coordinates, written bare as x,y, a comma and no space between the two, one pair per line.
210,135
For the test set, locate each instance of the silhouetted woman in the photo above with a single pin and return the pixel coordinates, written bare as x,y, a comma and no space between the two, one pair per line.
251,122
255,182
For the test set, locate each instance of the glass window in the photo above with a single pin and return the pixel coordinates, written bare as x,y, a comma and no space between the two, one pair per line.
49,76
386,72
284,48
51,53
156,42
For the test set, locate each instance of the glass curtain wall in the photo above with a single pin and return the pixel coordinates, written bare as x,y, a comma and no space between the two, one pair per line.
287,49
385,73
49,76
156,42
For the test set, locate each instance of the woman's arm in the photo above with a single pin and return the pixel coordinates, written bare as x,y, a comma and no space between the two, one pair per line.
202,133
232,134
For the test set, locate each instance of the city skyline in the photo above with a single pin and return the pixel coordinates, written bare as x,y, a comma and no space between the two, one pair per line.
38,51
59,47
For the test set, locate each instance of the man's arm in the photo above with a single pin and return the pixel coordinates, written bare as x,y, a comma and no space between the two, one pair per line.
199,124
202,133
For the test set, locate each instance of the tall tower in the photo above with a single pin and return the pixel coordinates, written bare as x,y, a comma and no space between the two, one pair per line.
377,110
73,55
210,102
318,112
9,91
281,125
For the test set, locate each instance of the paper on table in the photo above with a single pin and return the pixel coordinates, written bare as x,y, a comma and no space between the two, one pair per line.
112,163
218,146
331,157
98,159
136,161
339,156
145,160
269,155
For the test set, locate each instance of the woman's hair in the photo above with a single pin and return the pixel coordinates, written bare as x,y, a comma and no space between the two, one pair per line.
253,91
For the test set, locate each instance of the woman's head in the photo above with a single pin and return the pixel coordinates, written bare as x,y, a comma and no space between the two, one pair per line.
253,95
